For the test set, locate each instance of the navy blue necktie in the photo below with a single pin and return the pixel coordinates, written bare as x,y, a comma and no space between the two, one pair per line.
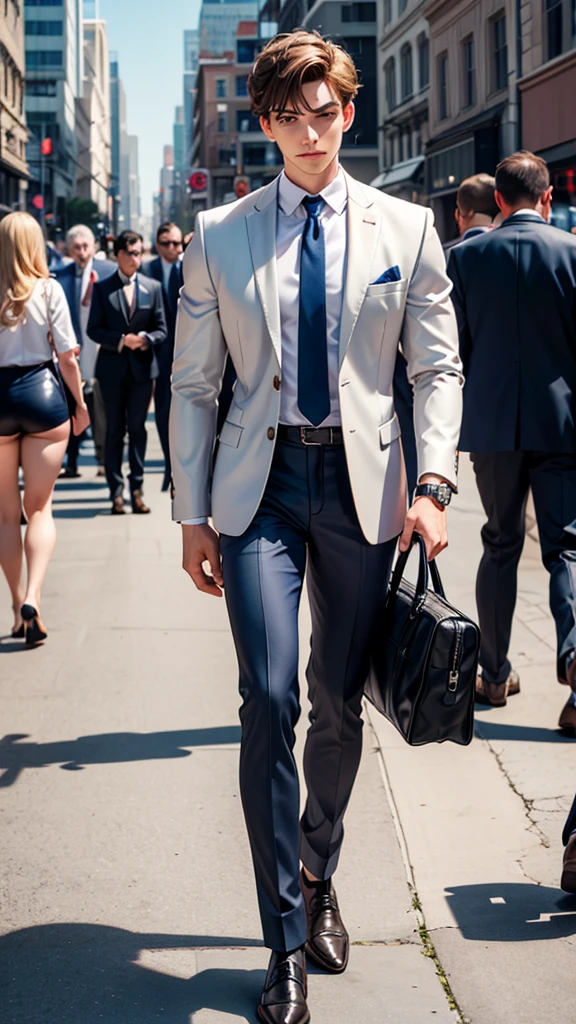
313,387
173,288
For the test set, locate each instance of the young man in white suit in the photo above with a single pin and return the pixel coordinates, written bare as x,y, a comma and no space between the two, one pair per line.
310,284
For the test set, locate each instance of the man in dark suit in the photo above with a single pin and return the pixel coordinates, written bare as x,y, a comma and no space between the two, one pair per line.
475,209
78,279
127,321
515,298
167,269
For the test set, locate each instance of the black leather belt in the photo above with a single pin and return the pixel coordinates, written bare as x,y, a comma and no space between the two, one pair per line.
310,435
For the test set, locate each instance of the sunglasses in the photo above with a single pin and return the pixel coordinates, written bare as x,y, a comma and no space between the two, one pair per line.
166,244
134,252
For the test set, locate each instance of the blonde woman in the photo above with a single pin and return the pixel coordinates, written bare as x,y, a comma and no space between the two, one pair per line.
34,418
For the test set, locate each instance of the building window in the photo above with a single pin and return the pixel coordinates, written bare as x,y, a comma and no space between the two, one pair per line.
402,6
406,75
221,89
246,121
390,81
387,11
43,59
423,62
443,87
241,85
222,122
43,3
41,89
560,26
247,50
44,28
500,54
468,73
365,12
227,155
408,143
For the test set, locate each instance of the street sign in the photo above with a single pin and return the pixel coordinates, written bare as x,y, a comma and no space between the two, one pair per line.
241,186
38,202
198,182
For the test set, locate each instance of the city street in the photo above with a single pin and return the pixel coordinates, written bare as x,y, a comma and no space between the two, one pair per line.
126,884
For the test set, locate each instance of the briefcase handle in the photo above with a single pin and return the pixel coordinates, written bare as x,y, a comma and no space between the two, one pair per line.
426,570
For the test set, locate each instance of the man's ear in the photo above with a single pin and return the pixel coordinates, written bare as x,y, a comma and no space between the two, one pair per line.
349,113
267,128
499,201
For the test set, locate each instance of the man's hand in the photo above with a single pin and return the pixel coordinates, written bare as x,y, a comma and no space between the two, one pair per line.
201,544
134,341
430,522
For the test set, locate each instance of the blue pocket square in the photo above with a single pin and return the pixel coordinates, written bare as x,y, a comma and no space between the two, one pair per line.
393,274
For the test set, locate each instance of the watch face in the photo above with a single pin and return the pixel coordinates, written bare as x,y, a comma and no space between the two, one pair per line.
444,494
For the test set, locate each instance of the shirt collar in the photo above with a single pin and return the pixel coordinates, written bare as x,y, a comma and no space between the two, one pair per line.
290,196
531,210
124,279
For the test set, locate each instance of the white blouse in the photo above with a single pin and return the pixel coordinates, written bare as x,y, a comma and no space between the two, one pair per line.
27,343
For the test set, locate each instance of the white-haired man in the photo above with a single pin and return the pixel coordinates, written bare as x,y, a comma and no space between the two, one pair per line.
78,279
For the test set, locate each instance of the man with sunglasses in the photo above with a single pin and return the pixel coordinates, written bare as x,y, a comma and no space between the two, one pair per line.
127,321
167,269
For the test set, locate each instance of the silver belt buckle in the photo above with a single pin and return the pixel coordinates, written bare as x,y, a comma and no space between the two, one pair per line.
311,444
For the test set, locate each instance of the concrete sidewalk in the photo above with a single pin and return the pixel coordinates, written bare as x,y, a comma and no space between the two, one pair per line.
127,890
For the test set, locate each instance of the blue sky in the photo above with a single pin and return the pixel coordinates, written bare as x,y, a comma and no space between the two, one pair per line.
148,37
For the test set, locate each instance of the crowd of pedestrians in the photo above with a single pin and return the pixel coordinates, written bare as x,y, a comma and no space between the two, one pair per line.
97,340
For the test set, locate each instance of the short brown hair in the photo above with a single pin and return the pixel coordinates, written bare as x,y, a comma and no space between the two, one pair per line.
476,195
290,60
165,227
522,177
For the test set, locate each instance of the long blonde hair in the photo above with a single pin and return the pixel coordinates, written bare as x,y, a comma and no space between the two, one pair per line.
22,264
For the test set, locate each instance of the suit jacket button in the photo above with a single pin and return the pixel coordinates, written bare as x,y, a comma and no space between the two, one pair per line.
271,433
276,383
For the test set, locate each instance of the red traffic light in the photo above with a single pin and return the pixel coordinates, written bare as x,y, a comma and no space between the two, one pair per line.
46,147
198,181
38,202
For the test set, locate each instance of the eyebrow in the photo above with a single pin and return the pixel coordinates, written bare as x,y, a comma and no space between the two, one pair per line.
318,110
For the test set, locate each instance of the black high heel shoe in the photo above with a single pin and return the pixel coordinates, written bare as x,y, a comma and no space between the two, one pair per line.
18,634
35,630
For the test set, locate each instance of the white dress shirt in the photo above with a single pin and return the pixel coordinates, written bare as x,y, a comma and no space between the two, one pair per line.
290,228
89,349
26,344
290,223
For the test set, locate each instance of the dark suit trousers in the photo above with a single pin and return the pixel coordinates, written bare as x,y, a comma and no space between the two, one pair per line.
306,522
126,404
162,398
504,479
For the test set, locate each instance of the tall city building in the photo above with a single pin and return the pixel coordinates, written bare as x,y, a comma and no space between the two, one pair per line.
94,152
117,134
218,22
53,84
13,167
191,55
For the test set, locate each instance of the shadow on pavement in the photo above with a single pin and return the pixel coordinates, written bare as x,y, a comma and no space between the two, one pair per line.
512,912
88,974
106,748
487,730
80,513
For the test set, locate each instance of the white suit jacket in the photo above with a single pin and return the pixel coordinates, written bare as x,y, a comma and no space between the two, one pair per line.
229,303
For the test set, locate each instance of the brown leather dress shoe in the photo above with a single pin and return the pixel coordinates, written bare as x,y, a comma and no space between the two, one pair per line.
567,720
328,943
138,506
568,880
496,694
284,996
117,507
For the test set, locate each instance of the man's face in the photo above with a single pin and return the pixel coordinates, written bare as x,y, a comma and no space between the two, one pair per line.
129,259
81,250
310,141
170,245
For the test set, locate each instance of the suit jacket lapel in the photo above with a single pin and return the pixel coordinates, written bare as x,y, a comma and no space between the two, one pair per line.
364,224
261,226
117,298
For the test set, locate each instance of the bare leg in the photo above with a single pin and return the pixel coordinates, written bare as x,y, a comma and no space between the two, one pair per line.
10,512
42,456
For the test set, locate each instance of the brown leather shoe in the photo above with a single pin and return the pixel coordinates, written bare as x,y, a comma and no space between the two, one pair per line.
286,989
496,694
567,720
568,880
138,506
328,943
117,507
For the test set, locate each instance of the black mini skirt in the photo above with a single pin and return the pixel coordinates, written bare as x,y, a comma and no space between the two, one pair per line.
32,399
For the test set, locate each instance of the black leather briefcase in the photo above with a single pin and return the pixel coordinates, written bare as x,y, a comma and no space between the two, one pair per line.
424,659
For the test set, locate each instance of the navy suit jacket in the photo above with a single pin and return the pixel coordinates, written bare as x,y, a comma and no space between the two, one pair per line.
66,275
515,299
108,322
153,269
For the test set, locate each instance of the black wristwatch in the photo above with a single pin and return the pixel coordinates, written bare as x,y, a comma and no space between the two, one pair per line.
440,493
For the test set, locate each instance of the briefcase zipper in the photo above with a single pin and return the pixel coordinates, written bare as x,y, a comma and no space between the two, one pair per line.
454,674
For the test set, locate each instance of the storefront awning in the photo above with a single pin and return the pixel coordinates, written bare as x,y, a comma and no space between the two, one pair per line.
399,174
